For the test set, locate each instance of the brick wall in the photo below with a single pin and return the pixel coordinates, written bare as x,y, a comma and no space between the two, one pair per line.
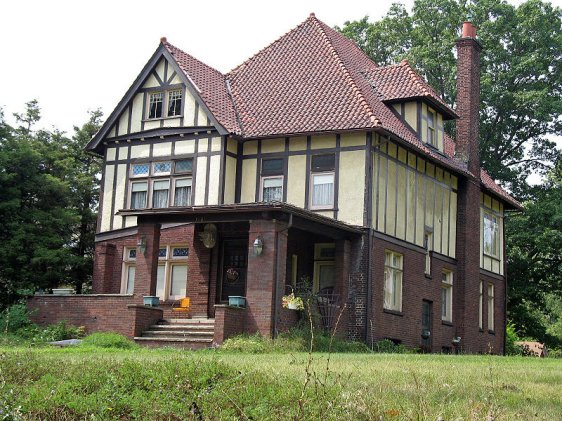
288,319
357,288
229,321
111,313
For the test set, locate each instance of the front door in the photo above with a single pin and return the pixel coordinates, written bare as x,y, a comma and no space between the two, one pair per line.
234,268
426,332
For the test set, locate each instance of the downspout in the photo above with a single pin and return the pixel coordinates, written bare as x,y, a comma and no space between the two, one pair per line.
275,290
368,219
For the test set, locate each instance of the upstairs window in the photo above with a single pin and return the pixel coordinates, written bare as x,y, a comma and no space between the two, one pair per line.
431,137
491,235
272,180
393,263
156,105
174,103
182,192
160,191
139,194
322,181
165,104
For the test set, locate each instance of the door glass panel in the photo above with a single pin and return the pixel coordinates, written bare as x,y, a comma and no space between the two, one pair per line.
130,279
178,287
160,281
326,277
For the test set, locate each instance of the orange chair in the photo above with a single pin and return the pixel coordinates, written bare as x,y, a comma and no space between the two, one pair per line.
183,307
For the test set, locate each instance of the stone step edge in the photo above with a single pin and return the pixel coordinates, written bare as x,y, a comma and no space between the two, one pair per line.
195,340
179,332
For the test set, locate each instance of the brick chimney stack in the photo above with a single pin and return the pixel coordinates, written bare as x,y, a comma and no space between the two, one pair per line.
468,98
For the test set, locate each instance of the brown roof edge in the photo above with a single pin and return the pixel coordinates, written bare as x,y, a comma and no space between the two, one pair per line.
247,208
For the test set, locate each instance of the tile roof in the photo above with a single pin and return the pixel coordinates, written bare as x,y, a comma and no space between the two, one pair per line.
211,86
401,82
314,79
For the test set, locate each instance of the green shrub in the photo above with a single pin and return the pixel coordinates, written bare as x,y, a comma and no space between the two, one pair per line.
108,340
252,344
57,332
511,337
554,353
14,318
386,346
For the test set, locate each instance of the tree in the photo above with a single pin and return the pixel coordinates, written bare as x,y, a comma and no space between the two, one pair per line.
534,241
48,202
521,72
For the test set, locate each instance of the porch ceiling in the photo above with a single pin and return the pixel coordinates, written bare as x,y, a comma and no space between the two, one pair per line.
296,217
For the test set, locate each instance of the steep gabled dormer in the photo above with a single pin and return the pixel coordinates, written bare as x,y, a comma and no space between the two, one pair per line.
413,101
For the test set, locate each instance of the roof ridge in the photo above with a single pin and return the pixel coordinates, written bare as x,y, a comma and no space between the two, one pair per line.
417,77
168,45
346,72
268,46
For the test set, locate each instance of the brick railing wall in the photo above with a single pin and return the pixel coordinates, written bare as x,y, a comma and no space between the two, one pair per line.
96,312
229,321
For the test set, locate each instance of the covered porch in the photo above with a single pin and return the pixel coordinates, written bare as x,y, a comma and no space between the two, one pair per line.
259,251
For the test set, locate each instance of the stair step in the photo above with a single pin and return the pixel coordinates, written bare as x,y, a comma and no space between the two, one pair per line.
176,333
167,339
182,327
194,320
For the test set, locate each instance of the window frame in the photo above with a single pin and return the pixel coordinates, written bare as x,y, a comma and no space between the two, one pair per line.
481,307
127,263
491,307
447,286
431,130
165,102
322,207
148,193
152,190
271,177
495,252
395,269
173,193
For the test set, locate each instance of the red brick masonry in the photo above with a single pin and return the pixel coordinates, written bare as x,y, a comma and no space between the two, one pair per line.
96,312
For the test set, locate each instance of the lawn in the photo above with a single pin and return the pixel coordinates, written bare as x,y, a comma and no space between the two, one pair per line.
95,383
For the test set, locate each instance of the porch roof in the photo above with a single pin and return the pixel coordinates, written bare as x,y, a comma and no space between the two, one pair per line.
295,216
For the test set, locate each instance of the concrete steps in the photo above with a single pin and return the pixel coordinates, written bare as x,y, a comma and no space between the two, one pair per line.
193,333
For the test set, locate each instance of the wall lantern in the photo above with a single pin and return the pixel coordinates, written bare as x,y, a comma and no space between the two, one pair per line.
456,340
141,244
209,235
258,246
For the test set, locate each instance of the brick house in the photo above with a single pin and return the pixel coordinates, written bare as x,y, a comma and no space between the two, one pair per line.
308,161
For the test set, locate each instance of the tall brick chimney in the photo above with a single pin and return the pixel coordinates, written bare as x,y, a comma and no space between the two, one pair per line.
468,98
466,292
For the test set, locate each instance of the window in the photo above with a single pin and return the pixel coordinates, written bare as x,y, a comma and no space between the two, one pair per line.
491,307
171,281
155,105
160,191
272,189
393,281
157,192
128,276
174,103
182,192
139,194
324,268
431,138
491,235
480,306
168,101
428,246
447,296
322,181
272,180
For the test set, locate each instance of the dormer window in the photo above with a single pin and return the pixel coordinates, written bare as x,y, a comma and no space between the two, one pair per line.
155,106
165,104
174,103
431,137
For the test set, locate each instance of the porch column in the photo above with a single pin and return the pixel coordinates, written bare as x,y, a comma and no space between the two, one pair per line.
103,268
266,275
147,262
342,270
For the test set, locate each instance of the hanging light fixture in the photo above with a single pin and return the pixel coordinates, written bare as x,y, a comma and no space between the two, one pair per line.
258,246
141,244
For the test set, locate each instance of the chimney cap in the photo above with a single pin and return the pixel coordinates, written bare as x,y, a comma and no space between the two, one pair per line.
312,15
163,40
468,30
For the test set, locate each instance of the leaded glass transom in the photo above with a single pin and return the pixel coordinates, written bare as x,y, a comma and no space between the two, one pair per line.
162,167
180,252
140,170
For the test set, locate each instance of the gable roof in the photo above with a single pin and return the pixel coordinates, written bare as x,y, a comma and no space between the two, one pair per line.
399,82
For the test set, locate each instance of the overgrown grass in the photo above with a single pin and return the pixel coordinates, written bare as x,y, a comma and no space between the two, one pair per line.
77,383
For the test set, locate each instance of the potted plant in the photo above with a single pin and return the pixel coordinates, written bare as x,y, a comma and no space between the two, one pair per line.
151,301
292,302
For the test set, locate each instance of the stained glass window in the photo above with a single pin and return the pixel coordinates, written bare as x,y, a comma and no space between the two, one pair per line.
140,170
185,165
162,168
180,252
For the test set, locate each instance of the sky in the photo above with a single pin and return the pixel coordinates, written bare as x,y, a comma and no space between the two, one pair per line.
75,56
